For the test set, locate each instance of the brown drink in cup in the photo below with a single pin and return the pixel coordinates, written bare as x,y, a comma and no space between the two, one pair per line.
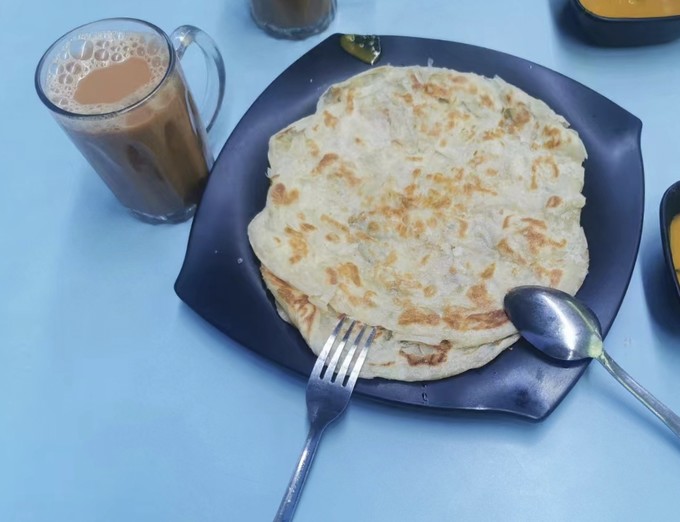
295,19
121,97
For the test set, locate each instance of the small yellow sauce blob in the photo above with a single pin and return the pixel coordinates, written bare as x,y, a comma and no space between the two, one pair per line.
675,244
632,8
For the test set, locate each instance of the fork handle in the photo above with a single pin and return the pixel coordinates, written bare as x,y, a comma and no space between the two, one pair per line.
291,498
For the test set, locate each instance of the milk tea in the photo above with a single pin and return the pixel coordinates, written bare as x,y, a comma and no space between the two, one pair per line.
133,118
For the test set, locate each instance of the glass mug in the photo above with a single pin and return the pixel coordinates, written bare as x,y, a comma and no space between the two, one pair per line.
294,19
117,88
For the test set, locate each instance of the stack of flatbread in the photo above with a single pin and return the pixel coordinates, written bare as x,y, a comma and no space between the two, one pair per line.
413,199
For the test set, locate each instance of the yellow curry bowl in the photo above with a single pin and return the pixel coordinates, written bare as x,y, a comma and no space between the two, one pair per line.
669,214
628,22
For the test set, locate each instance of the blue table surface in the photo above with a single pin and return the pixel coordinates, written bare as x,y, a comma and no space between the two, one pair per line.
117,402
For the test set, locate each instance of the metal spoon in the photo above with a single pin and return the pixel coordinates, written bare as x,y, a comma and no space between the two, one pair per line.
563,328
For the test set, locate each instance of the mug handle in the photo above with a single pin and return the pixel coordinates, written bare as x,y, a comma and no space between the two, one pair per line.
182,38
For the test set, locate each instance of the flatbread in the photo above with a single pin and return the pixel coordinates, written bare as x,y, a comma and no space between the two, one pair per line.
389,357
416,197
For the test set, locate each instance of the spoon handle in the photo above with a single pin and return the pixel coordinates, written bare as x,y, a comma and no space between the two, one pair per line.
655,405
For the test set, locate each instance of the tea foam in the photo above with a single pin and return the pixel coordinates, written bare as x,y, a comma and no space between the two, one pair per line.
88,52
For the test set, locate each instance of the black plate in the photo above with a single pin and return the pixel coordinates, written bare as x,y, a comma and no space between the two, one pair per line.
220,278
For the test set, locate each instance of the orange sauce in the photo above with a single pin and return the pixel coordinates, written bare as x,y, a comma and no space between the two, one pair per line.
632,8
674,238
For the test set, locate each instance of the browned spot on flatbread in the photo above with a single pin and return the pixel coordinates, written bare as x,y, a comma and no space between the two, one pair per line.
407,97
476,186
553,201
544,160
313,147
463,227
436,358
554,276
492,135
334,94
435,130
410,189
504,248
348,175
506,221
462,320
350,271
521,115
415,82
294,299
332,237
537,240
329,220
487,101
281,196
349,107
361,236
418,316
538,223
429,290
329,120
297,243
534,182
552,135
307,227
451,119
365,300
437,91
516,117
325,161
332,276
391,258
477,159
436,200
488,271
419,111
479,295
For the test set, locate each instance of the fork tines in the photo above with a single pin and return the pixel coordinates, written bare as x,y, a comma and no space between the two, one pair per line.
352,358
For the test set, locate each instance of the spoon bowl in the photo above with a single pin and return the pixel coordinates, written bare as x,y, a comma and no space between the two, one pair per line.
554,322
564,328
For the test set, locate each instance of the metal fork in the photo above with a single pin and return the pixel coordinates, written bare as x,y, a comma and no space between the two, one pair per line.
327,397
